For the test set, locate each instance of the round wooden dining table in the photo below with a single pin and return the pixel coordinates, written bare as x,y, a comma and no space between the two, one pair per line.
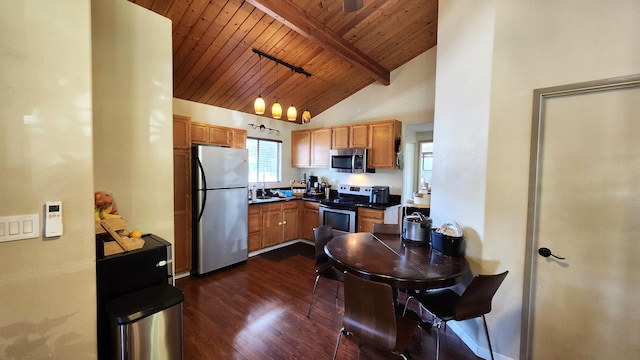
389,259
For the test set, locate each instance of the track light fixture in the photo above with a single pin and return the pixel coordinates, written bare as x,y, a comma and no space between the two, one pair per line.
259,104
292,113
276,110
306,115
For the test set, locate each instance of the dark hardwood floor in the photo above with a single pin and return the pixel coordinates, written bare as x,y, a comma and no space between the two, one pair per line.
257,310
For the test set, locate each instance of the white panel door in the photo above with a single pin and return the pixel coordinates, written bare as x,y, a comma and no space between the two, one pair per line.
587,210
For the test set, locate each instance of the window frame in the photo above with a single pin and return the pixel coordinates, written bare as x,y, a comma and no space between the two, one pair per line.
258,174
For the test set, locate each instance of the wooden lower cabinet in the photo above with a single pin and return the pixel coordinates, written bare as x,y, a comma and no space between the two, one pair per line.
310,219
272,224
290,215
368,217
255,224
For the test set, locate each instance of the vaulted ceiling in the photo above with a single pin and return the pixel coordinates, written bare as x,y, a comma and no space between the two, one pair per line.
213,42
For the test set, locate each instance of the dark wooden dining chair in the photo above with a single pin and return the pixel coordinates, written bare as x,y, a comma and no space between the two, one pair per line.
322,235
392,229
369,315
474,302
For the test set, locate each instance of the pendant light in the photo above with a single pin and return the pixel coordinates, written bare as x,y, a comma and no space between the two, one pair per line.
259,104
276,109
306,115
292,113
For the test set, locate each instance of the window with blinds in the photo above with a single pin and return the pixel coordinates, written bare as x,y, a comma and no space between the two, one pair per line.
264,160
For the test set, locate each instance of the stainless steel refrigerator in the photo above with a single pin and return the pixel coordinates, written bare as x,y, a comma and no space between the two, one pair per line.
220,207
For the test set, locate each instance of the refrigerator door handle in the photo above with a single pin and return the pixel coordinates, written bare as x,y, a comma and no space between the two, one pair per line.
203,189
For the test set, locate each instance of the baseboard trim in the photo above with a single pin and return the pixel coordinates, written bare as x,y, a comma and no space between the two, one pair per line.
480,351
278,246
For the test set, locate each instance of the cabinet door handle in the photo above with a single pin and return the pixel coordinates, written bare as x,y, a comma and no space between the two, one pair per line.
284,222
279,223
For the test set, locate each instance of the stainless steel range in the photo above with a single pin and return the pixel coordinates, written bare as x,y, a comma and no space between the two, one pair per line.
340,212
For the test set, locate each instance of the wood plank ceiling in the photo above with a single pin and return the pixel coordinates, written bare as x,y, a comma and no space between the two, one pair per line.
213,42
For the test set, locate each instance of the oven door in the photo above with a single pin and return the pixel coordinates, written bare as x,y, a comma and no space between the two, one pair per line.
342,221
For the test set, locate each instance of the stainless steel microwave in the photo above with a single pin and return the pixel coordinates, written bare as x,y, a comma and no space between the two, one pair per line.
349,160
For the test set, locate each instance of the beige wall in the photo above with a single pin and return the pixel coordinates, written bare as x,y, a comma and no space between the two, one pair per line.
52,118
133,121
47,306
409,98
491,56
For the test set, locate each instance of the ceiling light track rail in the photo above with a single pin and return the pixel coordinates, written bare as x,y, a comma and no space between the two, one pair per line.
274,59
262,128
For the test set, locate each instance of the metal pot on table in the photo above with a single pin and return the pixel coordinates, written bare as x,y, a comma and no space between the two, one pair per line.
416,228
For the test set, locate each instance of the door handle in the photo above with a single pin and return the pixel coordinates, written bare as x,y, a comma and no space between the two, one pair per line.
545,252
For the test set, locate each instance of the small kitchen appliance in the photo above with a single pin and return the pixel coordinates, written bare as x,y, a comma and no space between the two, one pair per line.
416,228
379,195
349,160
447,244
312,185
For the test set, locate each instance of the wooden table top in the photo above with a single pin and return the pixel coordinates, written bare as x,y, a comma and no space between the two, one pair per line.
386,258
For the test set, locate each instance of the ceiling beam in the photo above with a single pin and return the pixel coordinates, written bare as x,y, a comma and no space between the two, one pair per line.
295,18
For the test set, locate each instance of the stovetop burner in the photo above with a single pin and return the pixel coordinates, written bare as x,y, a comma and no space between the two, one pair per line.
349,197
343,203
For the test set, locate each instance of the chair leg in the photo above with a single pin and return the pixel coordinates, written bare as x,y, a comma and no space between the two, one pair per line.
438,337
486,331
313,293
335,352
406,305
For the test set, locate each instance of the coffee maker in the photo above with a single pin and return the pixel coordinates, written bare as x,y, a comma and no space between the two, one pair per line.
312,185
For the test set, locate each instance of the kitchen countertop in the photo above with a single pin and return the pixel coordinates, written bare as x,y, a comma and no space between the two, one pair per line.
279,199
318,199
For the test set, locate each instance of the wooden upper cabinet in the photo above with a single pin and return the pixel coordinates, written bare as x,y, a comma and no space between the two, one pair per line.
181,132
384,140
358,136
220,135
199,133
239,139
311,148
300,148
340,137
212,134
350,137
320,147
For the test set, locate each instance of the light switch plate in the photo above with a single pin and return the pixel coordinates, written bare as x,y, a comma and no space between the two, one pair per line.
19,227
